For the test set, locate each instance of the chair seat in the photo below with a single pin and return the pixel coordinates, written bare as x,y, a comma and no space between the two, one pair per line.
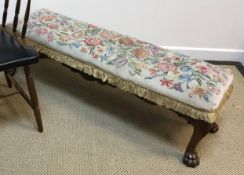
13,54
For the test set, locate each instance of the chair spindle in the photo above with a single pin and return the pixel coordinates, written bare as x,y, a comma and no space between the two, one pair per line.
27,13
5,12
16,17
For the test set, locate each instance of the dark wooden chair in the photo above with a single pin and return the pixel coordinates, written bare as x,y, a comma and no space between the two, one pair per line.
14,54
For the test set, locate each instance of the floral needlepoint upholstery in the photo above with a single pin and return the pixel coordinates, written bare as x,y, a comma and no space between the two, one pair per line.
181,78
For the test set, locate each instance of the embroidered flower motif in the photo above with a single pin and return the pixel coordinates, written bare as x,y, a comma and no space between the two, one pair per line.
201,93
202,69
166,67
141,42
126,41
109,35
158,66
218,78
194,62
152,71
84,50
95,55
111,50
100,49
50,37
53,26
156,51
119,62
167,83
41,31
171,85
91,27
214,90
66,39
176,72
140,65
177,59
93,41
78,34
186,77
171,59
141,53
48,18
177,87
186,68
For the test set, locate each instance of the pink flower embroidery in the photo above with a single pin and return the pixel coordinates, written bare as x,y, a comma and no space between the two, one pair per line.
167,83
94,55
91,27
171,85
177,59
166,67
92,41
50,37
42,31
203,69
53,26
141,53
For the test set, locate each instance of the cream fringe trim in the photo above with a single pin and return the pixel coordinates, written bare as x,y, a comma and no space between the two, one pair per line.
129,86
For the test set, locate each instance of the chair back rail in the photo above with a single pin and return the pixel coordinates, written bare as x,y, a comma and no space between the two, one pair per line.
16,16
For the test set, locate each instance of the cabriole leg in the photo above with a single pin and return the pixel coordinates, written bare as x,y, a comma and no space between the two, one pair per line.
201,129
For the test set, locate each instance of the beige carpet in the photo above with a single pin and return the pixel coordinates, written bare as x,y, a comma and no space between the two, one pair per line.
92,129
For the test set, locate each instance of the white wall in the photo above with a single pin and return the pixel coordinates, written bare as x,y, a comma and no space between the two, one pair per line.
213,29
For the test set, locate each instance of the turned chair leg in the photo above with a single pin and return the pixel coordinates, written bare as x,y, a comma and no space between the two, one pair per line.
33,96
8,80
201,129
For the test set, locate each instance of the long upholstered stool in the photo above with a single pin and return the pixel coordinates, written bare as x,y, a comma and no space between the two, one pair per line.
194,89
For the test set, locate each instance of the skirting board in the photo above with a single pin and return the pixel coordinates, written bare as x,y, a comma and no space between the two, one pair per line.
214,54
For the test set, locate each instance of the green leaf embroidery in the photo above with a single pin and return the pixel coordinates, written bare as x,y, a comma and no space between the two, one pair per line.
199,81
92,49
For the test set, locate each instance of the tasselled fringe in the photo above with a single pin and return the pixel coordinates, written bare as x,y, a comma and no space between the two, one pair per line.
131,87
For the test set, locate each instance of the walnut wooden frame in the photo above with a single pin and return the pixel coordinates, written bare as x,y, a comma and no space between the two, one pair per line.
201,128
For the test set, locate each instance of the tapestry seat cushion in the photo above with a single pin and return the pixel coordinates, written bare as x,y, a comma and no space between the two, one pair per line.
182,78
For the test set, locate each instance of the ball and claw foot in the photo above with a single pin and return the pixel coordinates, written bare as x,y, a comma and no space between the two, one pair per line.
191,159
214,128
